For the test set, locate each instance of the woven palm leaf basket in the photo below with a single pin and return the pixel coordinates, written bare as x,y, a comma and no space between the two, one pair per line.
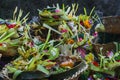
72,74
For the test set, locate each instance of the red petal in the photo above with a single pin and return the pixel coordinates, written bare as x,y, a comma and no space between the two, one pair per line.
81,22
118,60
1,44
96,63
107,79
56,17
11,25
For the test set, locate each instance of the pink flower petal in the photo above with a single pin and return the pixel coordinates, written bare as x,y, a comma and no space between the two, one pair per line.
80,39
95,34
81,51
64,31
57,10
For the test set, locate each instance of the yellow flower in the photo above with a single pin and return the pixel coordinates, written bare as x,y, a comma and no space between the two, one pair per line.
89,58
3,28
70,41
70,16
87,24
89,42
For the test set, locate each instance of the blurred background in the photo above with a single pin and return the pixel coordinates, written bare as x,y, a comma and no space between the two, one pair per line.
104,7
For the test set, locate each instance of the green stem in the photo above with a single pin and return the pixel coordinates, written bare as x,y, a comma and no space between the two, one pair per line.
92,11
85,11
101,62
79,28
23,49
98,69
59,43
7,36
68,28
3,35
42,56
116,44
48,37
63,7
48,27
83,28
76,8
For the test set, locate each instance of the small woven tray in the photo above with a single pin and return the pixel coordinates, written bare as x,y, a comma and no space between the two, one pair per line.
106,47
112,24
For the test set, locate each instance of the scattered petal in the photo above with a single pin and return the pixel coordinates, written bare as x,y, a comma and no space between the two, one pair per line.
81,51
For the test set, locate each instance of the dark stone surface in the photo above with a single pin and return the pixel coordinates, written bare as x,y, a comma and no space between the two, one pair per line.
7,6
107,7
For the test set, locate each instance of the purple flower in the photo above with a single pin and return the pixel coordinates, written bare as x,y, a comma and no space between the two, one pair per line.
2,63
91,21
109,54
85,46
90,78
